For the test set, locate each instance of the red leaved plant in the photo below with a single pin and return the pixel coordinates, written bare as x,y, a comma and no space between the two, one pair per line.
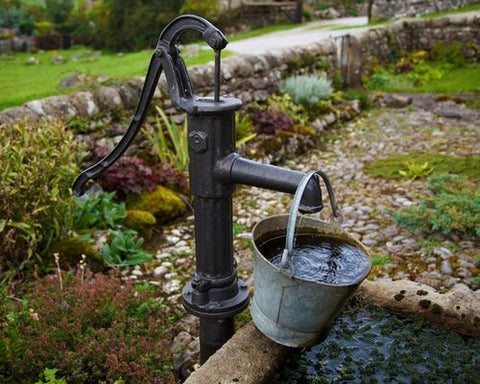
132,175
270,120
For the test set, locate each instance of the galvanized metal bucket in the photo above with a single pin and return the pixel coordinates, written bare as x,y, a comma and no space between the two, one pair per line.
287,309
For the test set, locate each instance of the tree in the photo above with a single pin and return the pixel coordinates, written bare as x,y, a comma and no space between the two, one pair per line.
208,9
58,11
127,25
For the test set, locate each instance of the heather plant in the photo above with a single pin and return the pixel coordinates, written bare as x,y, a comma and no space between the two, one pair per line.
38,166
308,89
453,208
270,121
92,329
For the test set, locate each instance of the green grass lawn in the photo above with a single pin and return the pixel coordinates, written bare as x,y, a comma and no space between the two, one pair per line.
467,8
263,31
22,82
456,79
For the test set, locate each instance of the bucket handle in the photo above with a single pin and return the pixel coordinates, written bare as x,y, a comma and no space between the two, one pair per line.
336,217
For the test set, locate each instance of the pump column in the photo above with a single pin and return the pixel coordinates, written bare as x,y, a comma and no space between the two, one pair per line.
215,294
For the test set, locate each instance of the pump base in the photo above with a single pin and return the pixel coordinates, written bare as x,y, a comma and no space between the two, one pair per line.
216,303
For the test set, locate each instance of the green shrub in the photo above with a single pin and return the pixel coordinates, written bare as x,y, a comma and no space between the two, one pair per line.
95,329
308,89
285,104
454,207
379,80
361,96
38,166
98,211
43,28
447,53
124,249
206,8
424,73
321,6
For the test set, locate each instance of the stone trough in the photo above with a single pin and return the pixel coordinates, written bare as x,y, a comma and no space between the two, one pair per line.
249,357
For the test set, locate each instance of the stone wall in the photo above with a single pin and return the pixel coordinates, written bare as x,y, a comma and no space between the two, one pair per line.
390,9
387,44
252,78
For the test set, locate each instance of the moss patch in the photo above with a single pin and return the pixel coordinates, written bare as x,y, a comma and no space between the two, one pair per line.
390,167
71,251
140,221
453,207
162,203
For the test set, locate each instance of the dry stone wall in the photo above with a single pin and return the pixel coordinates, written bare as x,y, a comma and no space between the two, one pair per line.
253,78
389,9
387,44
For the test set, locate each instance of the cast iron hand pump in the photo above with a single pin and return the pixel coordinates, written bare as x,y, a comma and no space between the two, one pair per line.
215,294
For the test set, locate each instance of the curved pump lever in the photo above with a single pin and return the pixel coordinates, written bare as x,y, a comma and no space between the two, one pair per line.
166,57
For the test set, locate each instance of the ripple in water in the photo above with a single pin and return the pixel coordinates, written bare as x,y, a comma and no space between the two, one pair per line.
320,259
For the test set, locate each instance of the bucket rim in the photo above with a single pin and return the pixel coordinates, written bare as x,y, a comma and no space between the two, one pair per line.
316,283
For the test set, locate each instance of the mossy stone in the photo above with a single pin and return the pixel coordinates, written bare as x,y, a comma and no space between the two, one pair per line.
70,252
140,221
163,203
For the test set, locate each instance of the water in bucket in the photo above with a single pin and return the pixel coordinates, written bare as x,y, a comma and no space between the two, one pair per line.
320,258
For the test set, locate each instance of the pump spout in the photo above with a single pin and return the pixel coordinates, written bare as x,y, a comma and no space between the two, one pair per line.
238,170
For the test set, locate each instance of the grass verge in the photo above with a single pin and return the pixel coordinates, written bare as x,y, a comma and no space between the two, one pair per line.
453,79
22,82
467,8
390,167
263,31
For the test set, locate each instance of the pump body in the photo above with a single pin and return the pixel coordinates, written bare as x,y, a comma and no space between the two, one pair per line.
215,294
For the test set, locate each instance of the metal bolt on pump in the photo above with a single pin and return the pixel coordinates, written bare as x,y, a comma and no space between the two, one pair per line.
215,294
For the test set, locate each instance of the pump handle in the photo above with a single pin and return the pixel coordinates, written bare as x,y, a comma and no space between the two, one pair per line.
166,57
